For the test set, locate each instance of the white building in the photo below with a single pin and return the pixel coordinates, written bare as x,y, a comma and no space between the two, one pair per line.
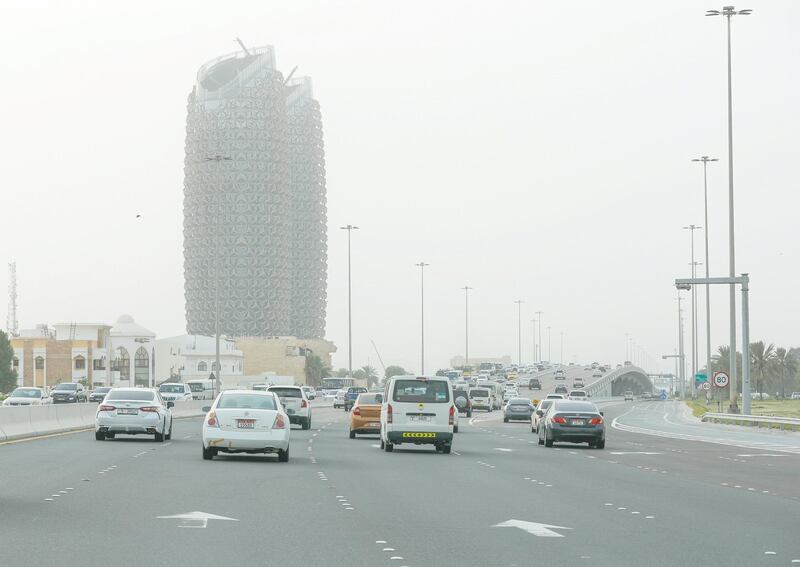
132,344
193,357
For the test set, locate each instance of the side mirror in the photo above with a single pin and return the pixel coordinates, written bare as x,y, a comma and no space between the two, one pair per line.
601,413
206,408
170,405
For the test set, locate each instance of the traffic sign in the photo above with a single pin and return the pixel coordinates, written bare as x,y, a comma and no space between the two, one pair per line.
706,386
699,379
721,379
663,395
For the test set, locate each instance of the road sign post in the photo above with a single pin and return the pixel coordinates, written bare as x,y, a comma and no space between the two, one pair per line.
721,379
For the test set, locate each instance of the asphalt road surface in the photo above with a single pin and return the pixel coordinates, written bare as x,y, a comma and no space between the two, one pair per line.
665,491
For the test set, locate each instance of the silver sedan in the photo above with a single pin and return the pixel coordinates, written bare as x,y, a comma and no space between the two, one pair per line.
518,409
133,411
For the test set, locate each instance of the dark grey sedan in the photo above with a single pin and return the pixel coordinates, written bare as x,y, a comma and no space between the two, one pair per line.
573,422
518,409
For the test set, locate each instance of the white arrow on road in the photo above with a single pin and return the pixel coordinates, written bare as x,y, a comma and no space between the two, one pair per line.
503,449
195,519
539,530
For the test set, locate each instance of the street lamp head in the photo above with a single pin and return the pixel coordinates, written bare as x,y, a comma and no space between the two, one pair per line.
683,286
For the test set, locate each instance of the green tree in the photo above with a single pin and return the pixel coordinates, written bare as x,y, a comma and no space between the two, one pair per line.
785,365
342,373
315,370
8,376
394,370
721,362
761,355
367,373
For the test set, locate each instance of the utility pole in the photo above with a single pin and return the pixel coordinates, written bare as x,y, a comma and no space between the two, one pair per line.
421,267
539,317
519,303
550,360
466,289
349,228
691,228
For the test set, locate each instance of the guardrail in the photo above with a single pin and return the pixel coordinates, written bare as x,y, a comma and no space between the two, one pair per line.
782,423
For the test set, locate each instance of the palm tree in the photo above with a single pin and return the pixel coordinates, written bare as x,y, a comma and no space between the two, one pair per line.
371,375
760,357
785,362
315,370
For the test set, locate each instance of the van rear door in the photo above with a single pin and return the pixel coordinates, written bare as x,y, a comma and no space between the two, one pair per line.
421,404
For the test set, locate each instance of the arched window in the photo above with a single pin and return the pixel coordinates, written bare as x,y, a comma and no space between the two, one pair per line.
141,367
122,363
202,366
80,363
39,363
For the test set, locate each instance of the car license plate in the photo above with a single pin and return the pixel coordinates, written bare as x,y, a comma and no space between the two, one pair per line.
420,418
373,425
245,423
127,411
577,421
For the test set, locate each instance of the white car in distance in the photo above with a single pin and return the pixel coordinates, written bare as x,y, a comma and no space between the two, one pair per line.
295,403
175,392
246,421
133,411
27,397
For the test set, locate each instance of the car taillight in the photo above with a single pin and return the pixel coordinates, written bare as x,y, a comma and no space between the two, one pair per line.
356,410
303,403
596,421
151,409
106,408
211,419
451,419
559,419
280,423
388,414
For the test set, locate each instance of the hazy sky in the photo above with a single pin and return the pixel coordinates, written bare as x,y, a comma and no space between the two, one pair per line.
532,150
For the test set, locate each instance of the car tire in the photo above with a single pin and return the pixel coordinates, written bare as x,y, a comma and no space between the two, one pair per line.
99,436
455,429
541,441
352,434
505,420
601,444
168,436
446,449
592,444
159,437
209,453
469,413
388,447
283,456
306,424
547,441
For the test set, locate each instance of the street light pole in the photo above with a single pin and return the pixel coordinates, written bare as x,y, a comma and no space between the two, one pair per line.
349,228
705,160
217,158
519,303
421,267
533,321
539,317
562,349
728,12
466,289
681,356
549,360
691,228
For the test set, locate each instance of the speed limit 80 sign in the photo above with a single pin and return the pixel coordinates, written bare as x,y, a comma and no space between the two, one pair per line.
721,379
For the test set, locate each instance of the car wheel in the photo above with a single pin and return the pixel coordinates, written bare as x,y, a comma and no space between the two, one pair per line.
168,436
547,441
505,420
469,413
352,434
388,447
99,436
446,449
159,437
306,424
455,429
209,453
592,444
283,456
601,444
541,441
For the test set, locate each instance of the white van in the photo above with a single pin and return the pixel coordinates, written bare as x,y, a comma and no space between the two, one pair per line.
175,392
202,389
495,390
418,410
481,398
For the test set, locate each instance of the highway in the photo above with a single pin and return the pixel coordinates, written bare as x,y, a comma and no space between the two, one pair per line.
665,491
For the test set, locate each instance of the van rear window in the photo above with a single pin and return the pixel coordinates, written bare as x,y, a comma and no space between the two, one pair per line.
422,391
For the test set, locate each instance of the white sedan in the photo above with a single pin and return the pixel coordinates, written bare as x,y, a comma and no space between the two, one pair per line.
246,421
133,411
27,397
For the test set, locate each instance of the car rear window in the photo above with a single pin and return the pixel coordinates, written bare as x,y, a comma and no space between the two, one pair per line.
575,406
520,401
578,393
130,395
423,391
248,401
478,393
288,392
367,399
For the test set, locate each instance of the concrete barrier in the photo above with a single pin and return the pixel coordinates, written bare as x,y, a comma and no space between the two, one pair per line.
192,408
44,420
15,421
70,418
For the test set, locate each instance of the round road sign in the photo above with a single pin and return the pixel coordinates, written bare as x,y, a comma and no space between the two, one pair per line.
721,379
706,386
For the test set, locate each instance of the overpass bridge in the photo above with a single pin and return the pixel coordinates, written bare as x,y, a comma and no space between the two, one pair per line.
617,381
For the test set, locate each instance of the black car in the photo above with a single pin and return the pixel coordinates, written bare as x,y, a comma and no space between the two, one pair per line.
573,422
98,394
560,389
68,393
462,401
534,384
